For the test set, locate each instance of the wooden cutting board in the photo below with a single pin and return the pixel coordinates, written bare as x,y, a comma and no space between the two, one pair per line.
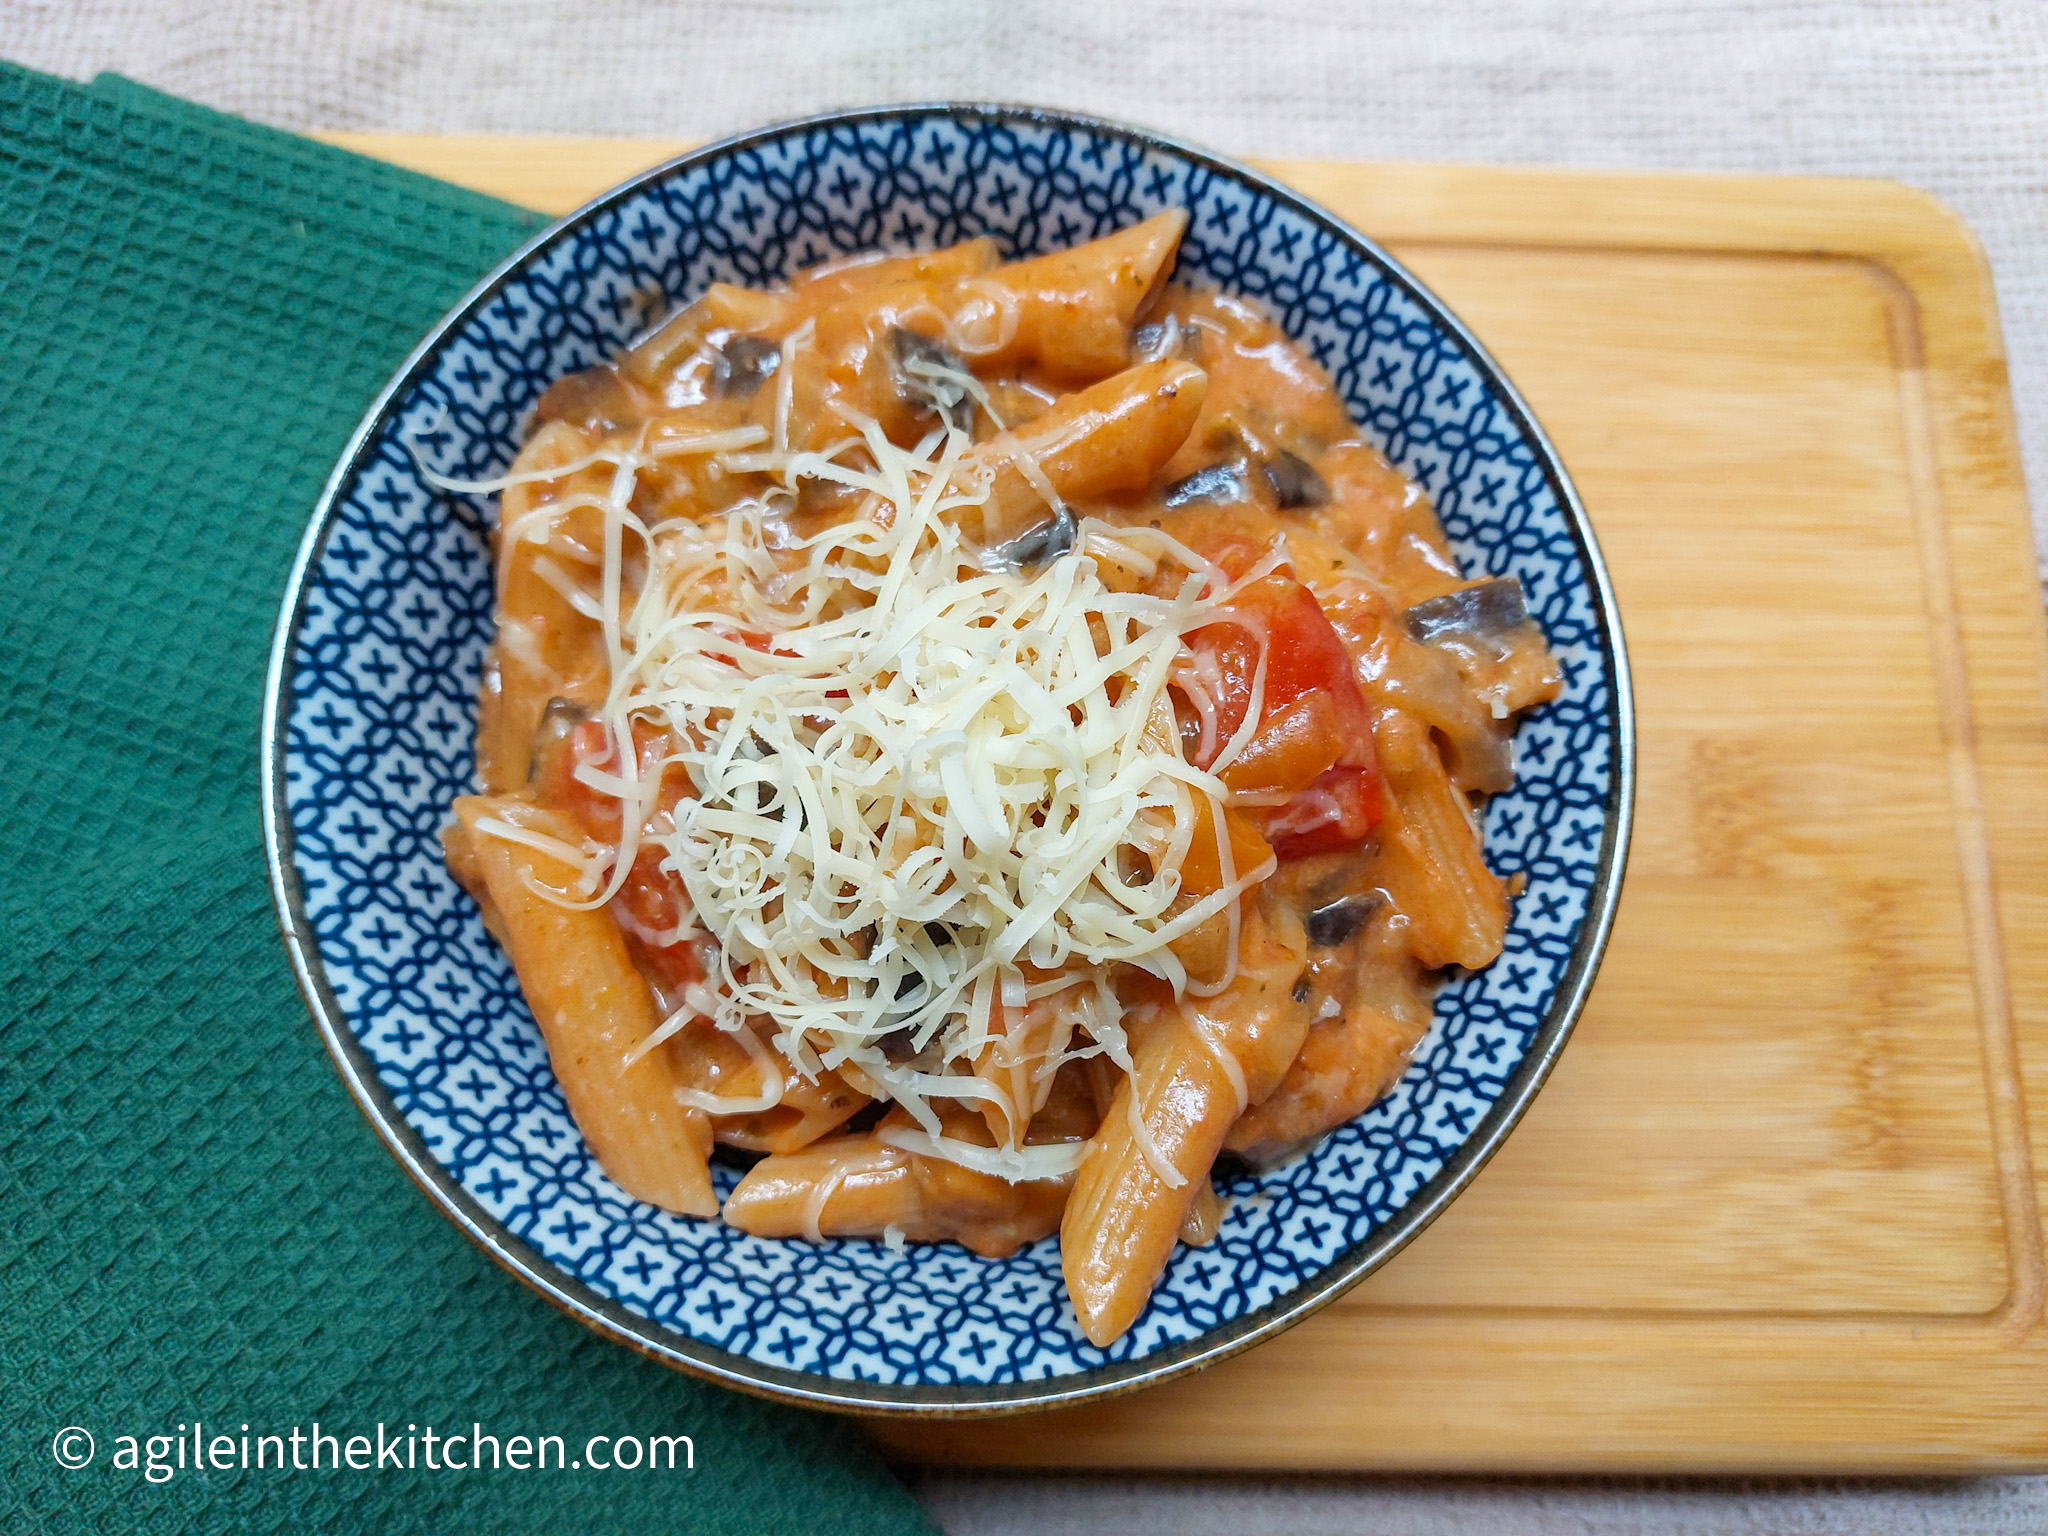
1780,1206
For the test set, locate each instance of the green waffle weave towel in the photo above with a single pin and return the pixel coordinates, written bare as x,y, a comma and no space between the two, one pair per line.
198,1226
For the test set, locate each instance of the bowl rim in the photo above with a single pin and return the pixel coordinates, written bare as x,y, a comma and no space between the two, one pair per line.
674,1348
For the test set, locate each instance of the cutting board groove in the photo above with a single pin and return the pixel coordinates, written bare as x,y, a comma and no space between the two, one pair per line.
1779,1208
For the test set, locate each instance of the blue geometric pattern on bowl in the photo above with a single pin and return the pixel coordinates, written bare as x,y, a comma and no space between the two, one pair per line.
394,619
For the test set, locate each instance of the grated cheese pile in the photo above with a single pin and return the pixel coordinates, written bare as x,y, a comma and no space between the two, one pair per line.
932,797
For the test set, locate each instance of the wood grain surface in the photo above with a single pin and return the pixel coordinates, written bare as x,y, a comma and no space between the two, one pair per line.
1779,1208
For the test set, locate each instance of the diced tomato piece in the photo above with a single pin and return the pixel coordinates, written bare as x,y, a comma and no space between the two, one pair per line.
597,814
650,895
1304,652
652,902
755,640
1232,553
594,810
1312,700
1337,811
1314,739
1230,654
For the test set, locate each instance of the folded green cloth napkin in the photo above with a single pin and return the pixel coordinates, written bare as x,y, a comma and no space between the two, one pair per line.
196,1225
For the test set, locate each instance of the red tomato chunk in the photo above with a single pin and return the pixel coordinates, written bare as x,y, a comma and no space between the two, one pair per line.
1314,737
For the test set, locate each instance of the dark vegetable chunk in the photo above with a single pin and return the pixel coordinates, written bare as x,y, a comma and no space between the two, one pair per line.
920,366
557,721
1484,608
1156,339
1218,483
744,364
899,1045
1329,926
1037,544
920,353
1294,482
596,399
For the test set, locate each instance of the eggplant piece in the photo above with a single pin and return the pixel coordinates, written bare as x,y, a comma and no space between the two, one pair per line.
595,399
1489,608
1036,545
909,998
825,499
1295,483
743,365
917,363
899,1048
907,346
1157,339
560,718
1331,924
1221,483
556,722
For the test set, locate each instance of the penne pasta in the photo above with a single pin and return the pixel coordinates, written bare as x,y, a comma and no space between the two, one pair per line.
1346,1065
1017,1064
1430,862
805,1111
865,1186
724,309
1194,1070
1071,312
1106,439
833,281
848,1186
593,1009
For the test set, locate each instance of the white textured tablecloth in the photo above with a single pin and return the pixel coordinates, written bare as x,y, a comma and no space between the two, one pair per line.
1948,95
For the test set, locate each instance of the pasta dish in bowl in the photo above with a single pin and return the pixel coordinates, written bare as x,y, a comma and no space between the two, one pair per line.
988,754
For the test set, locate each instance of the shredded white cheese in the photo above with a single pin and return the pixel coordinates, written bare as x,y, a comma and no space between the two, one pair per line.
1055,1160
917,779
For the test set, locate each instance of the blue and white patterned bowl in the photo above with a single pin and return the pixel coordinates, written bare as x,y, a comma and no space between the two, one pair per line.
371,710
